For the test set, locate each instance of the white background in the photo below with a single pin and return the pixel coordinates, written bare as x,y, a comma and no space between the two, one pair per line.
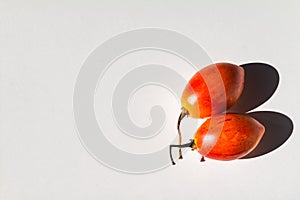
42,47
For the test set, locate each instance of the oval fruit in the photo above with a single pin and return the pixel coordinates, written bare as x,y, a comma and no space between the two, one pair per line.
228,137
213,89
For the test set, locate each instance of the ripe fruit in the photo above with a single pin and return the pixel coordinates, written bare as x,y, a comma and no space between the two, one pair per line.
211,91
228,137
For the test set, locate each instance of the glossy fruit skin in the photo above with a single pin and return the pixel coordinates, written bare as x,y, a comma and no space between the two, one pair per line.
213,89
228,137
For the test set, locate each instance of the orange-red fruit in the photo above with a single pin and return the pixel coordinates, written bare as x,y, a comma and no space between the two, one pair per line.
228,137
213,89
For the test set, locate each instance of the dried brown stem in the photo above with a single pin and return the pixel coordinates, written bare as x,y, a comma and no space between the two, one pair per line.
183,113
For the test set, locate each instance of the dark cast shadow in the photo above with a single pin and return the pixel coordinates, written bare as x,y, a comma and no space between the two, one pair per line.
278,129
261,81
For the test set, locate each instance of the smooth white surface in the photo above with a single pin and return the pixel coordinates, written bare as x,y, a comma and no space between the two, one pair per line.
42,46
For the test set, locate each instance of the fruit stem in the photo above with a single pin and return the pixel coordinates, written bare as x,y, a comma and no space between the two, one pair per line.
202,159
183,113
189,144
